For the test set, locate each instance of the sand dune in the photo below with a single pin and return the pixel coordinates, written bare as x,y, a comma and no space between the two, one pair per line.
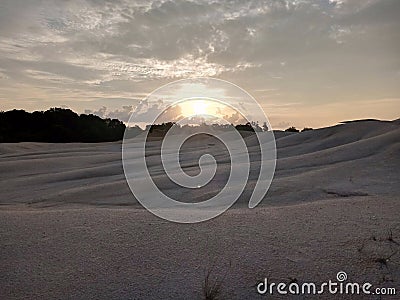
70,227
357,157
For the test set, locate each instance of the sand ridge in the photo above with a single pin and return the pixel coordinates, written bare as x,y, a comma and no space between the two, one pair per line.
70,228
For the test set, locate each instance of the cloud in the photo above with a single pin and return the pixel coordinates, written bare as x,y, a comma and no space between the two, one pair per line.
143,112
310,50
120,114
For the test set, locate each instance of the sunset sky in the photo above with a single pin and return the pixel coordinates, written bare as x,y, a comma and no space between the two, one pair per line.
308,63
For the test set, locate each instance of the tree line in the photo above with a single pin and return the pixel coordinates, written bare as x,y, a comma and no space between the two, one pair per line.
160,130
60,125
57,125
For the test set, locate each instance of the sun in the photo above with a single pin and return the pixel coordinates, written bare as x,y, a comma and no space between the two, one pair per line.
194,107
200,108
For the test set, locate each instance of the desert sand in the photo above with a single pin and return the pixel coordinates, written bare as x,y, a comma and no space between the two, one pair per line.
71,229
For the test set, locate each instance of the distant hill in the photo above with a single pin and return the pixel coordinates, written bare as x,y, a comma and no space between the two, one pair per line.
57,125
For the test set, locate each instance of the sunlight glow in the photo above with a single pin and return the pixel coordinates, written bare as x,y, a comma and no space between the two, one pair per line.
196,107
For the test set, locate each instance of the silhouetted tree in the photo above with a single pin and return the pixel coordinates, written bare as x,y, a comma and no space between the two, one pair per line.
245,127
255,126
307,129
160,129
292,129
57,125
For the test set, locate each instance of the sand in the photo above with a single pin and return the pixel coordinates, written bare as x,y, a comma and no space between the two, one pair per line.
71,229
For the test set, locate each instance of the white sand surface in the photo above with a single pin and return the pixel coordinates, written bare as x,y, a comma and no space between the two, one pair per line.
71,229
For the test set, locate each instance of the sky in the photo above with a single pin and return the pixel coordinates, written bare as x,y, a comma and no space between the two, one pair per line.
306,62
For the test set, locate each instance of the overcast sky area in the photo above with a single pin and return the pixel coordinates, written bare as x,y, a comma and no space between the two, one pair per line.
308,63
